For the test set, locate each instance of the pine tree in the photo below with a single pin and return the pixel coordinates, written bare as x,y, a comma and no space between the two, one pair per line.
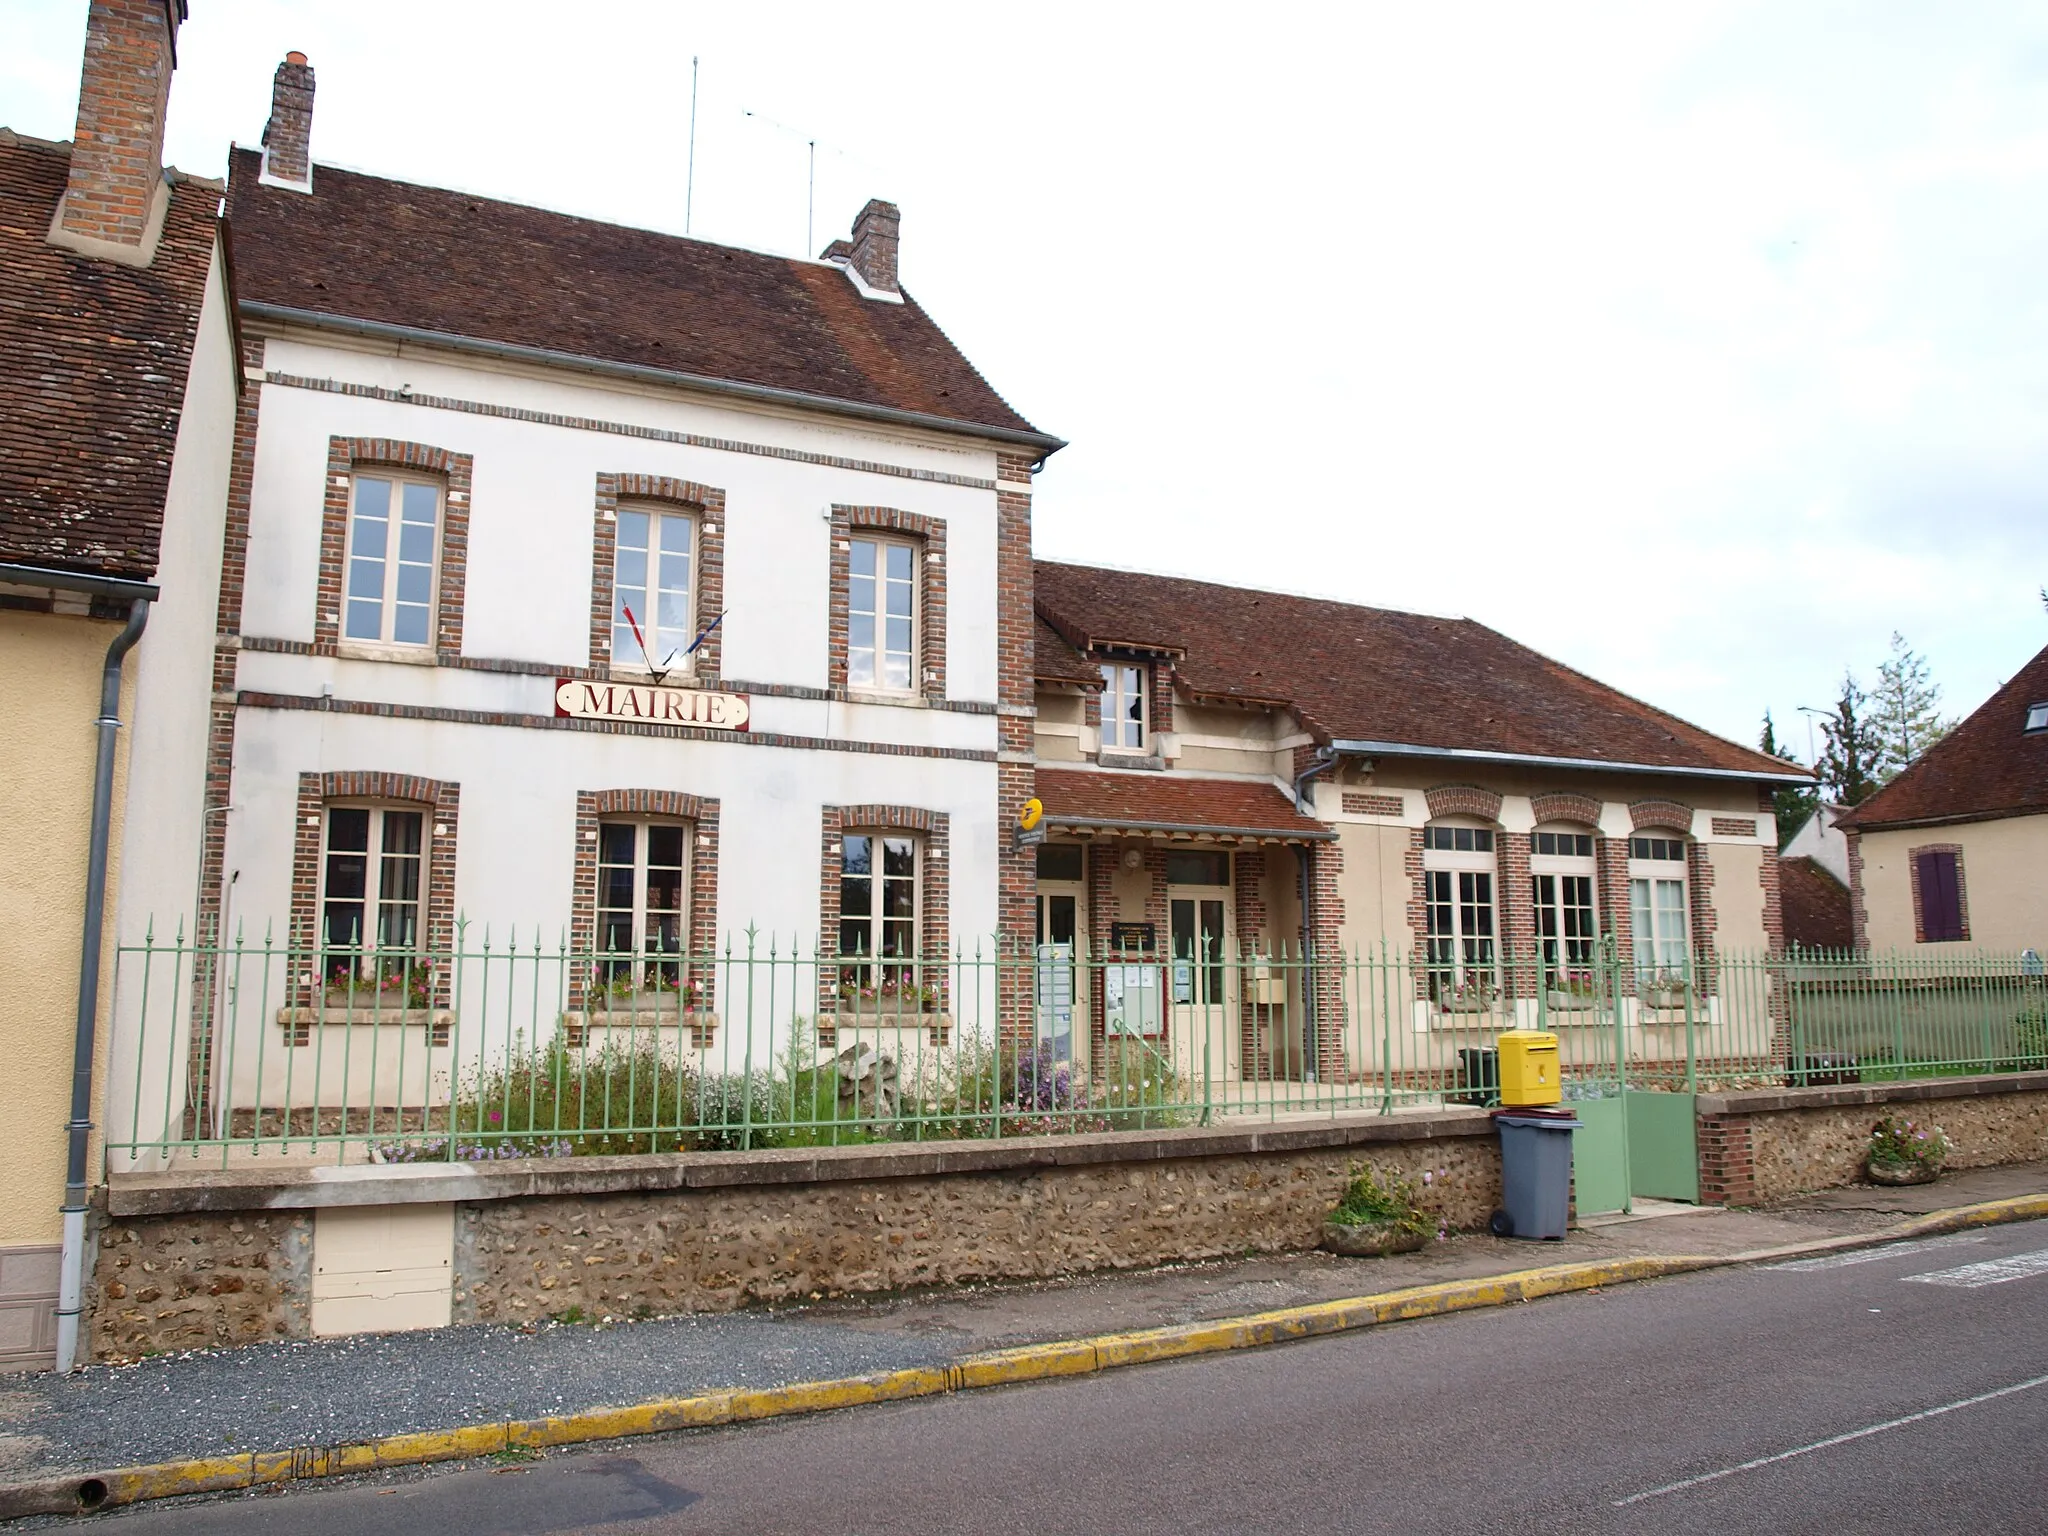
1790,803
1905,714
1849,761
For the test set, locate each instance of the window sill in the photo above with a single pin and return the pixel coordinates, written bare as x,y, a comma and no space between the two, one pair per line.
405,655
1137,761
885,1023
298,1022
633,1024
618,672
904,700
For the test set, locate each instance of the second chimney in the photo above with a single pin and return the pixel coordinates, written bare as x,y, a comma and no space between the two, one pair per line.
874,245
117,151
288,136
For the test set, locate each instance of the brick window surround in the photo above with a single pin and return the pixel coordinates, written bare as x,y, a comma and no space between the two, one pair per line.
1462,800
1913,857
929,534
1668,815
707,573
700,814
346,455
442,802
932,830
1583,810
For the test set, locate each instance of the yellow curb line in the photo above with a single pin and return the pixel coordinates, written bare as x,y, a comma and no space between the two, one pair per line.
1031,1362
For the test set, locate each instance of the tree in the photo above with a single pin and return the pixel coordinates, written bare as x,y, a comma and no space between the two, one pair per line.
1905,713
1848,764
1792,804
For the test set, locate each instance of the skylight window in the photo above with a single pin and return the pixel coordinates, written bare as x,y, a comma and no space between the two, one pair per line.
2037,718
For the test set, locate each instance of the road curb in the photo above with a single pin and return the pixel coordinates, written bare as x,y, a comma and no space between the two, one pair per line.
88,1491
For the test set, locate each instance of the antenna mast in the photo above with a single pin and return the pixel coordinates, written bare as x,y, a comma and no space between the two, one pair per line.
690,176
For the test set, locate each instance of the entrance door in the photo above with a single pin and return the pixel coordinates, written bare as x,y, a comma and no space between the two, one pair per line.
1058,915
1202,985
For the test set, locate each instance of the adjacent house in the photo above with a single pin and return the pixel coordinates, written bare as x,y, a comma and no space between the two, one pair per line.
117,400
1226,770
593,588
1953,851
1813,875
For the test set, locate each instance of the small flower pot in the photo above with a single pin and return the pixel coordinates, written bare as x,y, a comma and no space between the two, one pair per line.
1902,1173
1370,1240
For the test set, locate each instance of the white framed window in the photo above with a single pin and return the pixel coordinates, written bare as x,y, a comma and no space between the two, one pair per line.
1658,907
654,559
394,553
643,904
1562,880
2037,718
878,908
1123,707
881,615
372,873
1458,888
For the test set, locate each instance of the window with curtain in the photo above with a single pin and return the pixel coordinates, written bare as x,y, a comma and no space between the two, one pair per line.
651,588
1562,883
643,894
1458,887
878,909
1123,707
1658,910
371,876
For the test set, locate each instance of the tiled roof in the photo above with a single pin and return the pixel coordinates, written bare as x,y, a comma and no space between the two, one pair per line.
1376,674
1168,802
1058,662
1816,906
93,358
393,253
1986,767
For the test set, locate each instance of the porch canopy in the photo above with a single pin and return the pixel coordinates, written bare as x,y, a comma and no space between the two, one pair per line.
1173,808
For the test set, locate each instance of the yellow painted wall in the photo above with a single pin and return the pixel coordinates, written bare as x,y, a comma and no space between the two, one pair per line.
49,697
1738,897
1375,886
2005,884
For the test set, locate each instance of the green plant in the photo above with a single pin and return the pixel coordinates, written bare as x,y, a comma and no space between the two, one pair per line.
1377,1198
1897,1142
2030,1035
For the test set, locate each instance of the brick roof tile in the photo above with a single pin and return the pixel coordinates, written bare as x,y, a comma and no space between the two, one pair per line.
1078,796
1816,906
1376,674
394,253
93,362
1987,767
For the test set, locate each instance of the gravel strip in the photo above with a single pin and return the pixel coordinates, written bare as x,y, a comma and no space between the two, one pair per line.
266,1397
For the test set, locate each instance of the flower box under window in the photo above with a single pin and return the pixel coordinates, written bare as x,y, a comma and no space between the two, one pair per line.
360,1012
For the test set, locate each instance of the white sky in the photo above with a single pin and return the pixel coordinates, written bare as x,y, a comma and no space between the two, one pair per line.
1699,346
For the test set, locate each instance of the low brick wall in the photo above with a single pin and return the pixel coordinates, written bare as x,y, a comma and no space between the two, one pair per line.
191,1260
1756,1147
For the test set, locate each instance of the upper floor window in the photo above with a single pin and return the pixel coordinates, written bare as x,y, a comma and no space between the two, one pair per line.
651,587
1658,907
643,884
1123,707
2037,717
878,905
371,879
881,615
394,539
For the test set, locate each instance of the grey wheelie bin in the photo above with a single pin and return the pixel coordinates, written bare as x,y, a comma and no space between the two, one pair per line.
1535,1172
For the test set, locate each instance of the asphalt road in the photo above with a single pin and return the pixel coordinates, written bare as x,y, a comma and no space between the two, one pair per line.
1831,1397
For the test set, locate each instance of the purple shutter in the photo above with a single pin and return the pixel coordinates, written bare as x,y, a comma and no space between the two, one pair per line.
1941,902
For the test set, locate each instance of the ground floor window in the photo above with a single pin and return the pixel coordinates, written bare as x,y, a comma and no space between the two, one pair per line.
1657,908
878,902
370,892
642,904
1458,902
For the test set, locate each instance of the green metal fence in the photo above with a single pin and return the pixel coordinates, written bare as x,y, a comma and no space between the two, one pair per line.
515,1047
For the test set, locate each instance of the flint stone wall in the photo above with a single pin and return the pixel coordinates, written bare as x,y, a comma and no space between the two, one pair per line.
1804,1139
712,1232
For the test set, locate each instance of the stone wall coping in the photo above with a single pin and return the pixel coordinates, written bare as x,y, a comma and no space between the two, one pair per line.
1759,1101
305,1187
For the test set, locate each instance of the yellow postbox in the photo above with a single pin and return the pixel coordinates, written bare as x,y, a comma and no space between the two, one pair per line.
1528,1067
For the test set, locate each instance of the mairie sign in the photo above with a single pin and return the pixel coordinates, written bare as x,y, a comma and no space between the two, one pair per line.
655,706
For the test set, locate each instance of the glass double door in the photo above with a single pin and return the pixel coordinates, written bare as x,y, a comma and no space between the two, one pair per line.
1056,977
1202,983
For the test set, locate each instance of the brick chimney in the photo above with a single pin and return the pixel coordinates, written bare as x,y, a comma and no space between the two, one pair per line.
288,136
874,245
115,200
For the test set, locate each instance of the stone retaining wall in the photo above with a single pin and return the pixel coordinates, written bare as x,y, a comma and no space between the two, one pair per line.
200,1259
1756,1147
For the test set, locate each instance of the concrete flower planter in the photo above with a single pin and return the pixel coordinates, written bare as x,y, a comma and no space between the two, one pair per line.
1370,1240
1902,1173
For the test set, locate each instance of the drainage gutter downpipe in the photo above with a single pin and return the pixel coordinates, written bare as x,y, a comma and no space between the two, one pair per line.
71,1285
1304,801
